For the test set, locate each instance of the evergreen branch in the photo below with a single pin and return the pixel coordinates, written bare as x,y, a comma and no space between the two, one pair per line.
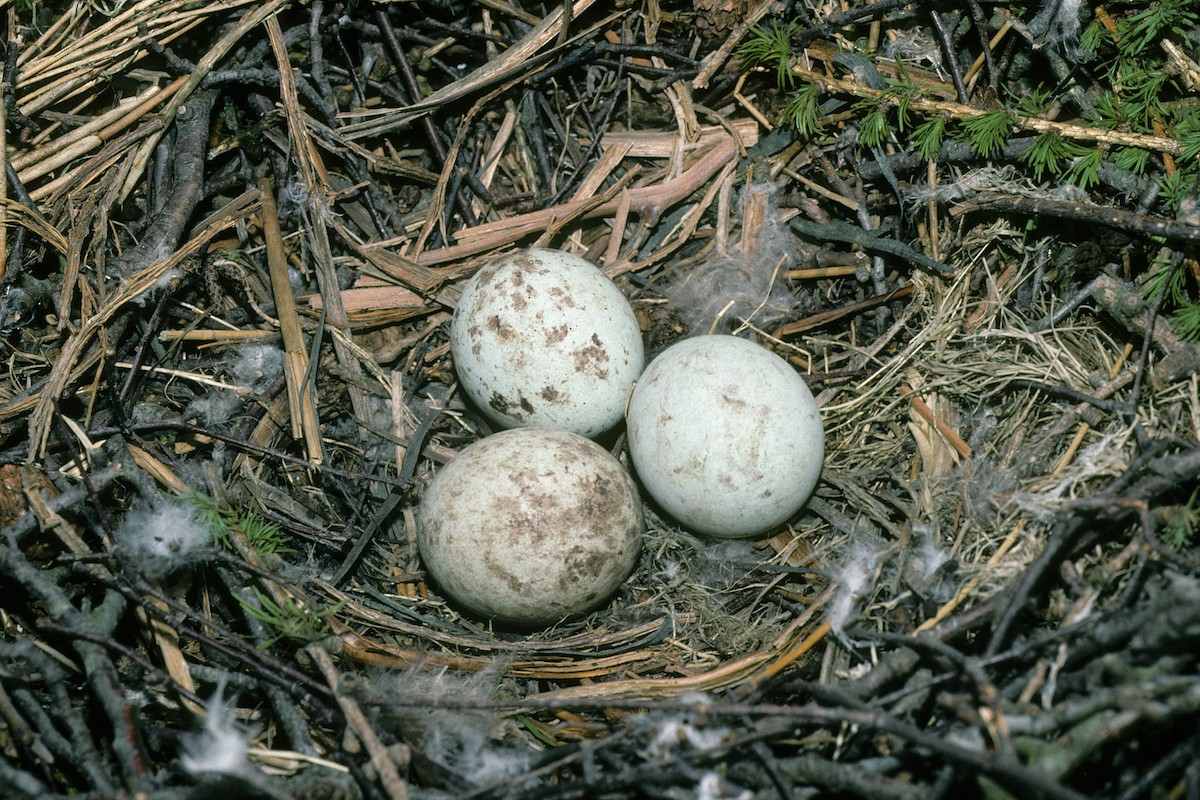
770,47
988,131
1128,221
1186,321
1139,30
928,136
1162,278
874,127
1085,170
288,619
960,111
1045,154
1133,159
868,240
803,111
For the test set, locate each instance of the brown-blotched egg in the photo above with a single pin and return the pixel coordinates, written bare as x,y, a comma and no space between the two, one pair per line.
529,526
544,338
725,436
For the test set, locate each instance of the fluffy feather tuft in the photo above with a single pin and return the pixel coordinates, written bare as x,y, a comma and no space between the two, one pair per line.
223,746
166,536
855,577
712,787
747,284
433,710
1057,23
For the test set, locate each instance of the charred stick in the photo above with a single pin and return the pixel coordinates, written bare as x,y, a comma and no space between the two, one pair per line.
286,458
980,23
99,669
1066,536
1139,377
12,112
139,352
266,666
537,140
1117,218
124,652
177,63
17,243
946,40
831,23
360,91
318,101
1107,406
841,231
316,51
596,133
809,769
400,60
774,769
21,781
69,716
62,501
27,728
187,184
1171,764
591,52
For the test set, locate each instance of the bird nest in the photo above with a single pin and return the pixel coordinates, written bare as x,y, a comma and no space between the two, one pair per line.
234,236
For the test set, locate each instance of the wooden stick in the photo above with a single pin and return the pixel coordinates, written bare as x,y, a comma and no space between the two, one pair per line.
64,370
302,397
519,58
357,722
648,201
959,111
86,138
949,434
3,186
243,338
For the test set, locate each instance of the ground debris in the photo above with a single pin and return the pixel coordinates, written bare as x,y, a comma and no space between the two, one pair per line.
232,239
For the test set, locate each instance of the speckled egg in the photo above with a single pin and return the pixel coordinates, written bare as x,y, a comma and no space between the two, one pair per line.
529,526
544,338
725,436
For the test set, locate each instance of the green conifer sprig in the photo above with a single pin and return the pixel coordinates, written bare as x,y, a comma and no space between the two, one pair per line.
1141,117
288,619
263,536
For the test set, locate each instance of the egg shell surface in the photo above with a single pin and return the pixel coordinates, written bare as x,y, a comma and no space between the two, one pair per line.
725,436
530,526
543,338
